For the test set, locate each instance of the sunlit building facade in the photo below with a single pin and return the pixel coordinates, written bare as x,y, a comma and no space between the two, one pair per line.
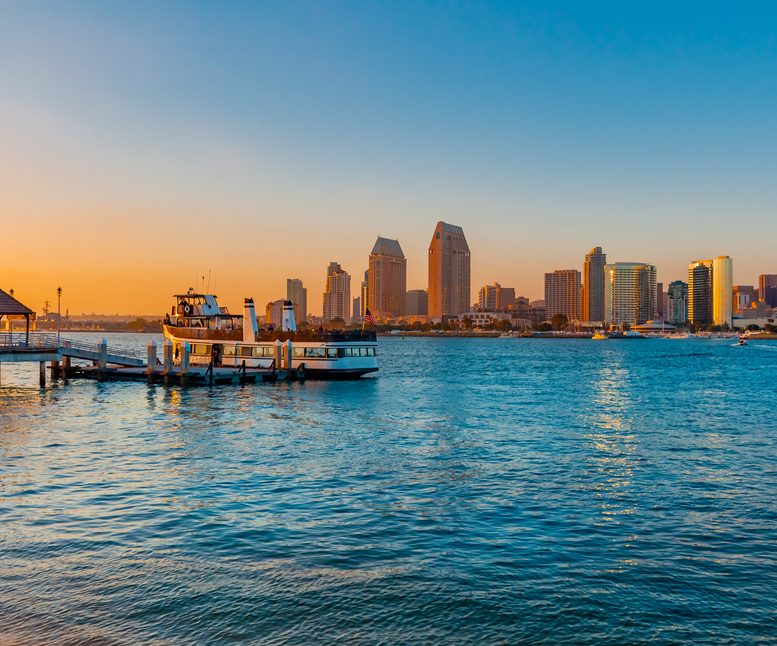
562,293
337,297
449,272
492,298
297,293
629,293
722,290
387,279
592,306
274,313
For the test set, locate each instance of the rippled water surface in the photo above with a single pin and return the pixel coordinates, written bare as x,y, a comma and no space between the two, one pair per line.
478,490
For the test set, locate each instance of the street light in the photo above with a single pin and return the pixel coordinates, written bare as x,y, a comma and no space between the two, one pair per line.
59,311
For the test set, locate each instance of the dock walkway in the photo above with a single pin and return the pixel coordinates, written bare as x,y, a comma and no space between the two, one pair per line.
124,365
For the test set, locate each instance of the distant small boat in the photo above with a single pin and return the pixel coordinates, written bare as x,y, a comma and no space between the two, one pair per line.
741,341
600,335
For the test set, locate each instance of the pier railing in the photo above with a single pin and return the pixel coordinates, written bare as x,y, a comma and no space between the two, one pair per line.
11,342
23,341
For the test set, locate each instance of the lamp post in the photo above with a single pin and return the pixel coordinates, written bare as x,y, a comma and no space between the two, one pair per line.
59,311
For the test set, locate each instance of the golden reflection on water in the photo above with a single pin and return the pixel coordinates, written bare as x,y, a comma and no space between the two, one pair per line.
613,444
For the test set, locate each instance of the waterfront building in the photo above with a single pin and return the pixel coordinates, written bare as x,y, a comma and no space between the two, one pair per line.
417,302
592,303
700,292
677,302
274,313
492,298
337,297
722,290
297,293
767,289
629,293
387,279
449,272
743,297
562,293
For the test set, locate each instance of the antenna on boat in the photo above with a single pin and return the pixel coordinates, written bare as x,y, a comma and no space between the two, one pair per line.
207,289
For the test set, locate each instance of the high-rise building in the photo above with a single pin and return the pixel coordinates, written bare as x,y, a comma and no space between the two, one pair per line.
337,297
593,285
562,293
417,302
449,272
387,279
677,303
743,296
298,295
722,290
492,298
767,289
700,292
356,311
629,293
274,313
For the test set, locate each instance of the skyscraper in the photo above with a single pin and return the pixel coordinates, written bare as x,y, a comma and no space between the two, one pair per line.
700,292
449,272
298,295
767,289
562,293
387,278
722,290
337,297
593,287
677,303
629,293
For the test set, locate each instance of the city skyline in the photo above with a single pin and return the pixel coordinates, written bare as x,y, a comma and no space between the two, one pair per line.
137,134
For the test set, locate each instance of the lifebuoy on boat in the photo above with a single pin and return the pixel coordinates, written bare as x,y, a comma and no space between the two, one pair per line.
187,309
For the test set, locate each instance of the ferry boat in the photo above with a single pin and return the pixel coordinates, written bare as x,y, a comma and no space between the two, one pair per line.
214,334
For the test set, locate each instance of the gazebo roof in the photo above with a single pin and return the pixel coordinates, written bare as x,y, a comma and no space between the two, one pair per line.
10,306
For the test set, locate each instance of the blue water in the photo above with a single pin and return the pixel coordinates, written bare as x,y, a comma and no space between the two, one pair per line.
478,490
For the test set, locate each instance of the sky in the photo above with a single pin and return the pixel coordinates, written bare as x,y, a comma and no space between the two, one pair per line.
145,144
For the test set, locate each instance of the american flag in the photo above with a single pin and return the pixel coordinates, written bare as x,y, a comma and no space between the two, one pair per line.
368,317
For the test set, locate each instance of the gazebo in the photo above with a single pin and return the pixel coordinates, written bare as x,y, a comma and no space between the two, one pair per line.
12,308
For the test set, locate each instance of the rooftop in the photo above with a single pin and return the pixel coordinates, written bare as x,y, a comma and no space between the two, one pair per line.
10,306
387,247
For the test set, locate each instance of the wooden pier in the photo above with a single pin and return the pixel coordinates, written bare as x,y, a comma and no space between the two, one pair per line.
96,361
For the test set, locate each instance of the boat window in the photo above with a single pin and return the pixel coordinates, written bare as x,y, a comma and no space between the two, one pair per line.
259,351
370,352
362,352
315,352
298,352
246,351
229,350
331,353
200,348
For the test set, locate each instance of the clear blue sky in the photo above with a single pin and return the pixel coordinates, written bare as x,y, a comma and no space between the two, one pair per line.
302,130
